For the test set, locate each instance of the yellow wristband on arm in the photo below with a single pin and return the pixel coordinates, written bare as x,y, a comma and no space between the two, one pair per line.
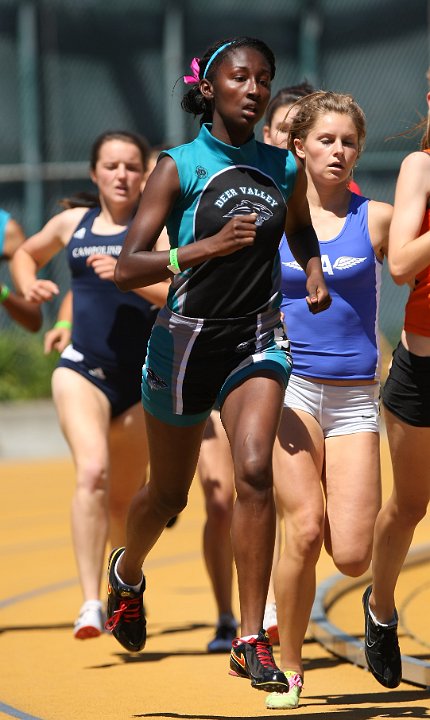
173,262
4,293
63,324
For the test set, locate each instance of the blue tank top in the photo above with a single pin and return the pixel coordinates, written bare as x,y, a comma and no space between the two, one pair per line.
110,328
219,181
342,342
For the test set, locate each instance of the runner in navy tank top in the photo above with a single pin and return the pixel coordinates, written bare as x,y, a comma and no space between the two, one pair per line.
106,339
223,198
96,386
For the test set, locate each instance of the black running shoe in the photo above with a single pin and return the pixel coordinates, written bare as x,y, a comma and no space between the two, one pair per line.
253,659
222,642
381,648
126,615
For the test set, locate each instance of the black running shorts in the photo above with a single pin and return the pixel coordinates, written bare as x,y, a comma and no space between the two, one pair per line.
406,393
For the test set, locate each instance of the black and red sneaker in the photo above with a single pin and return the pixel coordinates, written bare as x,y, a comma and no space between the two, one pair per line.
253,659
125,611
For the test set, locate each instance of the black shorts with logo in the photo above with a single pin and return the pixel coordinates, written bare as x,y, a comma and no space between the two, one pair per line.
193,363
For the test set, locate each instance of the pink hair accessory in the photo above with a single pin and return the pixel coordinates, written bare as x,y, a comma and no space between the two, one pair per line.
195,67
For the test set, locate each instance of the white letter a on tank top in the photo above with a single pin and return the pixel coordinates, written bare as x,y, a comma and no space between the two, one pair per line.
326,265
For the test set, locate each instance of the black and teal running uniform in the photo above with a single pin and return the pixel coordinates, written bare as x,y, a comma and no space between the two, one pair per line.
221,317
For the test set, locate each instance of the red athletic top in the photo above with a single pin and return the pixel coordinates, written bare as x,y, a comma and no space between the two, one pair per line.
352,185
417,311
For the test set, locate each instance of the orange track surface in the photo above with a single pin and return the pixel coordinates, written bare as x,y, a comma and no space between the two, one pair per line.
48,675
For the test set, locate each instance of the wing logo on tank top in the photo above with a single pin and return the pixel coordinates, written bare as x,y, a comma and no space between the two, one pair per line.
294,265
345,262
247,207
80,234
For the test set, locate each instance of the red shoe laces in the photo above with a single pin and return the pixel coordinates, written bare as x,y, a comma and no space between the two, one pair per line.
264,654
129,610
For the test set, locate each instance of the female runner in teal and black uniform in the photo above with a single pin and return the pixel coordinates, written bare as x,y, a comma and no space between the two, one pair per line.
224,200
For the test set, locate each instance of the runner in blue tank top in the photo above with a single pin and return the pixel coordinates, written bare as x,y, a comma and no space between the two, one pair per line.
279,116
277,121
96,386
224,198
327,474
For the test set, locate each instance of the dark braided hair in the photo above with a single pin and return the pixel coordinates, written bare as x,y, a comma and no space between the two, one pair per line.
193,101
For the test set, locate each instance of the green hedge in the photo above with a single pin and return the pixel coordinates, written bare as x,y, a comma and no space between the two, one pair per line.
25,372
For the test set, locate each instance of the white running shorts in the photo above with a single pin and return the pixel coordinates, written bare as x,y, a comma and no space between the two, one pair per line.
339,409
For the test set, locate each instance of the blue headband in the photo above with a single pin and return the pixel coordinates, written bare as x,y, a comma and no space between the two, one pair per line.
213,56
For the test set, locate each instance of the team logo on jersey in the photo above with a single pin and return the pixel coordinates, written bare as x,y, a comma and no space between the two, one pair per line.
80,234
241,190
201,172
247,207
243,346
154,382
97,373
345,262
294,265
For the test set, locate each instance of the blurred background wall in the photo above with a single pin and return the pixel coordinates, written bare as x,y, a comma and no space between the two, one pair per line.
71,69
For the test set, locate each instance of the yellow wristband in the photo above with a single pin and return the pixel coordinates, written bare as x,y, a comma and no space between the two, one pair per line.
63,324
173,264
4,293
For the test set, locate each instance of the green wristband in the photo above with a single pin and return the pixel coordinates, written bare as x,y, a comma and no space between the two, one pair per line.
4,293
173,265
63,324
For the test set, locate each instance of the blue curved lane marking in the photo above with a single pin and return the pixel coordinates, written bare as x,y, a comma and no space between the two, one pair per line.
37,591
45,589
13,712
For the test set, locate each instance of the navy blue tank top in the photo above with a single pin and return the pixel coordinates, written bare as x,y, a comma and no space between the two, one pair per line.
110,328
